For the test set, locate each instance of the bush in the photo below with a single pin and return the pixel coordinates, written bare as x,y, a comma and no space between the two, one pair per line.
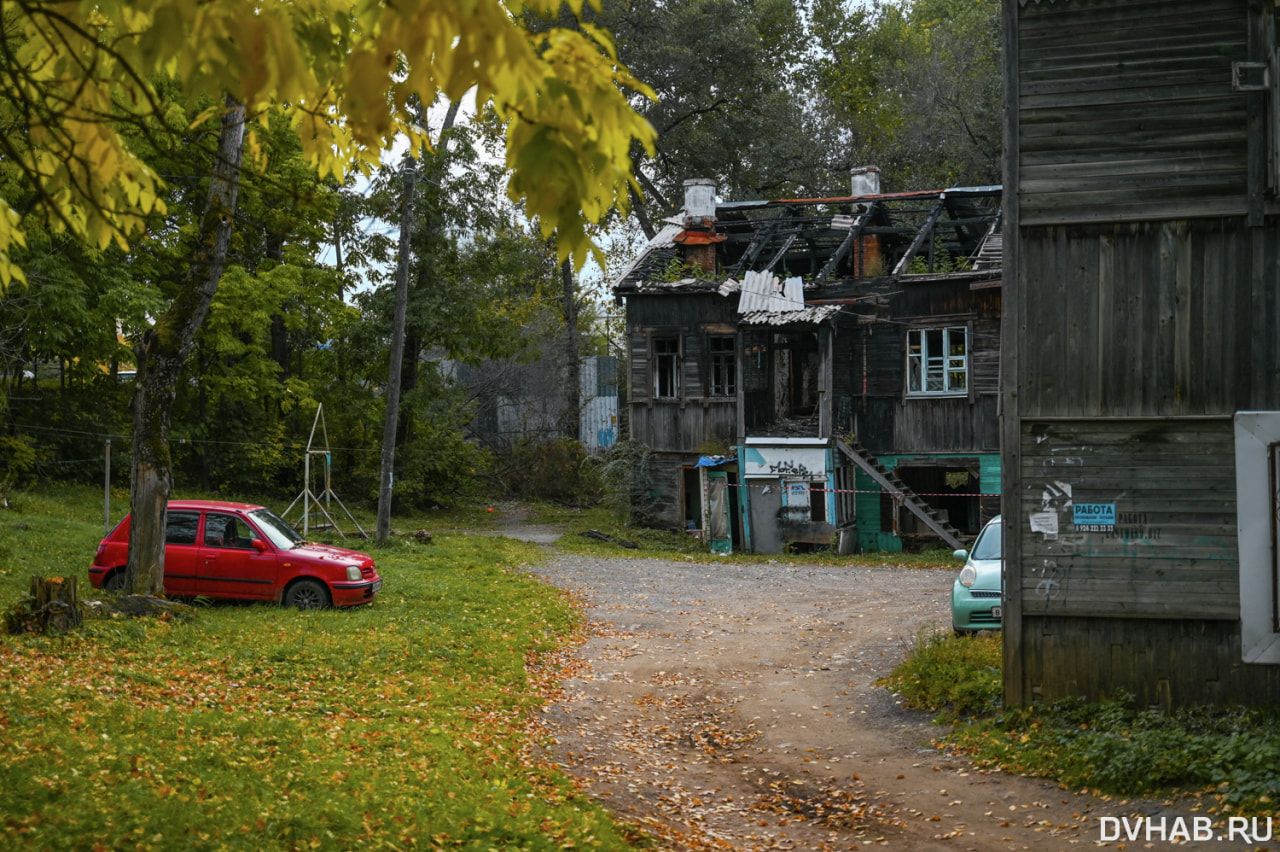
626,482
952,675
554,470
17,457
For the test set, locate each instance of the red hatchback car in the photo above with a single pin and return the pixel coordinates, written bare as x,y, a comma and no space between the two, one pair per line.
245,552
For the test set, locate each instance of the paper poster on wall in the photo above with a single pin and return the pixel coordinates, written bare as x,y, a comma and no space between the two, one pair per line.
1045,522
1094,517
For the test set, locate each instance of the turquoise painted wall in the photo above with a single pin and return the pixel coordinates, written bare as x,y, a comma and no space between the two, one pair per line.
868,504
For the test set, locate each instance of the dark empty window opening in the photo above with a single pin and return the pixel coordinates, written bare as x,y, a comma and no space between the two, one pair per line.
797,375
724,376
666,367
692,498
818,502
951,488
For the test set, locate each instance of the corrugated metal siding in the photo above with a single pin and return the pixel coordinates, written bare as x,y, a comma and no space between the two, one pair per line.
598,418
1126,110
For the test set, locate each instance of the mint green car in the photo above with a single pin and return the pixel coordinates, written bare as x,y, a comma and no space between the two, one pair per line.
977,596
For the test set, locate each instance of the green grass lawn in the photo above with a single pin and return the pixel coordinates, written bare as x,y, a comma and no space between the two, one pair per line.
1226,756
403,724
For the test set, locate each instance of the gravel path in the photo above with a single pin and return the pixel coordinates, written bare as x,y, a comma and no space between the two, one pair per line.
730,706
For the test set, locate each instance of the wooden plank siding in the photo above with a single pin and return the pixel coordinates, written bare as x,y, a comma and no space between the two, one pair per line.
1163,664
947,425
1172,553
693,421
870,374
1149,318
1141,308
1126,110
668,426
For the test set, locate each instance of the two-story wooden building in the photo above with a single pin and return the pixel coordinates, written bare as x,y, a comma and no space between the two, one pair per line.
1141,398
820,371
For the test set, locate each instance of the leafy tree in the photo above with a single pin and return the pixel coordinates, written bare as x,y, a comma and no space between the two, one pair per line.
344,74
917,84
728,104
80,79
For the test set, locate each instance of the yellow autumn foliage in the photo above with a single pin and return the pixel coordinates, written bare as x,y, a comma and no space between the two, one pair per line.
344,72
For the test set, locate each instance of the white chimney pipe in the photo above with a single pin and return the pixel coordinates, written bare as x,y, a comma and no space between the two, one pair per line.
866,181
699,201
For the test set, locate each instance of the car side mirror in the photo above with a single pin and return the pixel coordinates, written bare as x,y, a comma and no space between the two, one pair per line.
961,555
259,545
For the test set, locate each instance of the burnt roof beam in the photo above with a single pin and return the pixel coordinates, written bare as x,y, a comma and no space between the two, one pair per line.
786,245
846,245
761,239
925,233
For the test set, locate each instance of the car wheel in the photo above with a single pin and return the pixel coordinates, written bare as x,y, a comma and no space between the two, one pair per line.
307,594
114,582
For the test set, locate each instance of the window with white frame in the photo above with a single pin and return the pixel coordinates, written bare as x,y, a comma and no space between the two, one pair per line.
723,373
666,367
1257,445
937,361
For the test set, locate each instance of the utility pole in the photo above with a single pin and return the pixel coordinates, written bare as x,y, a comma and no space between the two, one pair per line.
397,354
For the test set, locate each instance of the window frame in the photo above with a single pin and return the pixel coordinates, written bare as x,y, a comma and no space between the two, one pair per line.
1257,448
722,366
666,364
932,367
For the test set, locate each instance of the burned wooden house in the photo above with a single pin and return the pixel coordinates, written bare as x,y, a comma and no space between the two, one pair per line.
1142,311
820,371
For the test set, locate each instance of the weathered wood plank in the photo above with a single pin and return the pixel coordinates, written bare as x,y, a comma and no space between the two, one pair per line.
1199,660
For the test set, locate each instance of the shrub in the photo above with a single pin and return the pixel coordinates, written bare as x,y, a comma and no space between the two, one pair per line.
626,481
554,470
952,675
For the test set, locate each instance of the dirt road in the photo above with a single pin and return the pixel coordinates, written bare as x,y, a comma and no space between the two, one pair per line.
727,706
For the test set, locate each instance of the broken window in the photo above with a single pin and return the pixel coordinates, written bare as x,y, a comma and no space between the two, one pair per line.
724,377
666,367
937,360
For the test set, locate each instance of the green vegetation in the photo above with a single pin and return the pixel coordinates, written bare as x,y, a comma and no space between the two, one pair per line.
1109,747
952,676
405,723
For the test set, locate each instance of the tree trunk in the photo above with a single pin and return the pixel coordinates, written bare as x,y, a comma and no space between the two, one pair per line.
392,415
55,608
573,366
408,382
160,356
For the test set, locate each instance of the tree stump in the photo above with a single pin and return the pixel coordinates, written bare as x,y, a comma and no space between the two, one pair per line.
54,607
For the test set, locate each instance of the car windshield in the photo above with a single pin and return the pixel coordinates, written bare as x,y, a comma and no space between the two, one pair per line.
276,528
988,544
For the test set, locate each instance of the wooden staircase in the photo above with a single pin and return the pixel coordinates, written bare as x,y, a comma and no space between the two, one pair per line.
898,489
990,253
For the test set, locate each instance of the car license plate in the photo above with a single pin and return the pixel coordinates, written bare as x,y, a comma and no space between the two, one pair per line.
995,612
377,587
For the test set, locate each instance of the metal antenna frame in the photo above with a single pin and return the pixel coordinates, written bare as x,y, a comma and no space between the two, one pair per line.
307,496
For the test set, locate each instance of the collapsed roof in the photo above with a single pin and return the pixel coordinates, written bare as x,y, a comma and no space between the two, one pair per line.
822,243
